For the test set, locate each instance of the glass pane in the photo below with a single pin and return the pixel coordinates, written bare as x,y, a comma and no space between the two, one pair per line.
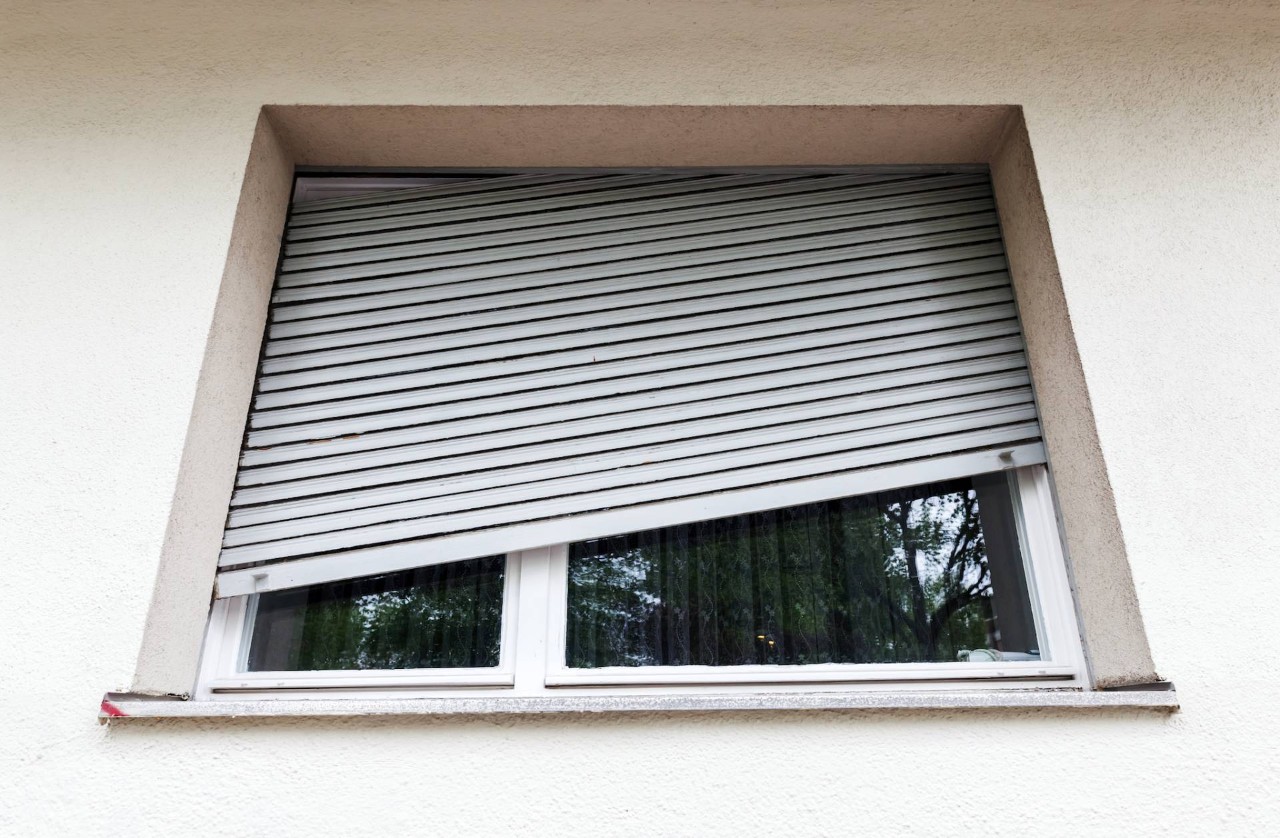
929,573
444,616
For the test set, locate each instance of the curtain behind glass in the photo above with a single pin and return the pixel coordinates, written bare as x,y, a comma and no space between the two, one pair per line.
894,577
444,616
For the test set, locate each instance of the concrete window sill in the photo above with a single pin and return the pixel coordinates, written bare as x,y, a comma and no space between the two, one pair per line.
120,707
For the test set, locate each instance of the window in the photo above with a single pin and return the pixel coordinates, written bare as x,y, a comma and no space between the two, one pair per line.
442,617
895,577
777,427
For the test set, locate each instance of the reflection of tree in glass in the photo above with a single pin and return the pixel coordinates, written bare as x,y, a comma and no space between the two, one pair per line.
895,577
442,616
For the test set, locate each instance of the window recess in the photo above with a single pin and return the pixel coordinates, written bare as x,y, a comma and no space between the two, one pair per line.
750,373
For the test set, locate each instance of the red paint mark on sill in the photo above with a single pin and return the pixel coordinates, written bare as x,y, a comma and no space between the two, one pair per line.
111,710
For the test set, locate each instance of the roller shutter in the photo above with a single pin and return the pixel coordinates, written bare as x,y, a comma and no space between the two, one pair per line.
506,362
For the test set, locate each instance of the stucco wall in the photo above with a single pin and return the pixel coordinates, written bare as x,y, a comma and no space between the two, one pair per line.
124,131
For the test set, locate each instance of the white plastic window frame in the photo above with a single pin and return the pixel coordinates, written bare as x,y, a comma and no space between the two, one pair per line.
532,656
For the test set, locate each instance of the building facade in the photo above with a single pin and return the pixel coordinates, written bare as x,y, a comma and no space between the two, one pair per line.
150,152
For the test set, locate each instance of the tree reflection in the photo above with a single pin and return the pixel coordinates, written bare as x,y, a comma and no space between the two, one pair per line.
894,577
443,616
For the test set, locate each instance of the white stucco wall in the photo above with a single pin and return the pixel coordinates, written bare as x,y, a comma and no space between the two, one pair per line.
124,129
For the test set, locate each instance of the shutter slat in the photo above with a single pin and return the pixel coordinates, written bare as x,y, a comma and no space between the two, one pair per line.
473,398
504,326
573,496
636,357
921,467
577,348
466,193
631,411
353,358
631,215
433,460
795,268
543,371
480,474
548,303
497,355
899,238
603,397
387,230
627,244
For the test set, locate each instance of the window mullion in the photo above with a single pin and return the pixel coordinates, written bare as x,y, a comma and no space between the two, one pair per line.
534,611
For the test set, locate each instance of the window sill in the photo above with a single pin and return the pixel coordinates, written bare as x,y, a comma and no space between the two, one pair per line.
123,707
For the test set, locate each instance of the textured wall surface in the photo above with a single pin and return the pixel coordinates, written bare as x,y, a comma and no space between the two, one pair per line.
124,131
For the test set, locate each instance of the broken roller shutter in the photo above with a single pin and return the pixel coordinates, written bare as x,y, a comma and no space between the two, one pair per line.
512,361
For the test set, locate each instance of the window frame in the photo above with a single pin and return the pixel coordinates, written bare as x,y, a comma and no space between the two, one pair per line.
533,638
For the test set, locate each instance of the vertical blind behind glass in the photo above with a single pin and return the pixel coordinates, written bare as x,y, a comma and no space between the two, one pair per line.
894,577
